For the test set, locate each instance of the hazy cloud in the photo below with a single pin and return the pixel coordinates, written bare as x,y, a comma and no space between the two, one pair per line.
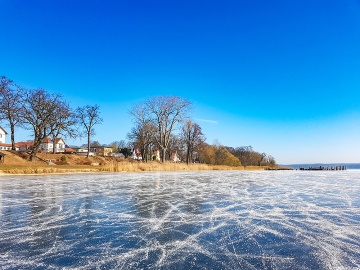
207,121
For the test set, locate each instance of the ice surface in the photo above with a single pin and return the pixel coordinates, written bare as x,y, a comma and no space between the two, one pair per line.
187,220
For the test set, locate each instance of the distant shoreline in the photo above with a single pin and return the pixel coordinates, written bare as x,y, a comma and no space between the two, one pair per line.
349,166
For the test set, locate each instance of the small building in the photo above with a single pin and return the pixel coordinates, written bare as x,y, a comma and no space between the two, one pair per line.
68,149
47,145
5,146
24,146
3,134
174,157
103,151
82,151
136,154
156,155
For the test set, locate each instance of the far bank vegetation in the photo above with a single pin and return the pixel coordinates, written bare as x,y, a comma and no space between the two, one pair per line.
72,163
163,135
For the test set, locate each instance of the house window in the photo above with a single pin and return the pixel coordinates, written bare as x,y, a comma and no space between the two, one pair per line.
0,135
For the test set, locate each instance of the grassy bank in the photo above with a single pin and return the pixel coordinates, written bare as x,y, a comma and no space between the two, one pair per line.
156,166
44,169
115,167
14,164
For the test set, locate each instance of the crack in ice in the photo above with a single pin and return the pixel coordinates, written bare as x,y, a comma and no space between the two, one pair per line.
187,220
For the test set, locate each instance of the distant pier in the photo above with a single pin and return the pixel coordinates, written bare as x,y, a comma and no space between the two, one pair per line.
323,168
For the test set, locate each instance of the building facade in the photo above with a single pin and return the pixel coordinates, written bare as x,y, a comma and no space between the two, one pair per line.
47,145
3,144
3,134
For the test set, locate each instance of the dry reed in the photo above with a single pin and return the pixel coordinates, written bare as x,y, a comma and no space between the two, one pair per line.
168,166
44,170
120,166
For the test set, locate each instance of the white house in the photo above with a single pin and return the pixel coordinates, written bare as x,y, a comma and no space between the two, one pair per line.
6,146
3,144
101,151
24,146
156,155
136,154
174,157
82,151
3,134
47,145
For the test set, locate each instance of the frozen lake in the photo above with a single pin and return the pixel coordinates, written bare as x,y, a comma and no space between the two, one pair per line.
185,220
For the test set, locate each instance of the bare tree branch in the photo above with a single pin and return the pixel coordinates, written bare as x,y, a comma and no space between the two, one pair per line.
193,138
88,116
10,104
38,113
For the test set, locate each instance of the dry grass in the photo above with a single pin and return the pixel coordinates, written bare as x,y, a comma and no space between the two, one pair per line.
40,169
76,164
169,166
114,166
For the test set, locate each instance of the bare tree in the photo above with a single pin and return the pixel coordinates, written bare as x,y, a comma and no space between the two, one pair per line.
63,123
95,144
271,161
245,154
261,158
163,112
176,145
38,113
249,157
88,116
141,137
115,146
10,104
193,138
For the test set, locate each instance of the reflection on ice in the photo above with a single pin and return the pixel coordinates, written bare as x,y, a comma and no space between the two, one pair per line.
189,220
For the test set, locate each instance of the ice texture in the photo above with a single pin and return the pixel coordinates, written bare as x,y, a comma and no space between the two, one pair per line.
181,220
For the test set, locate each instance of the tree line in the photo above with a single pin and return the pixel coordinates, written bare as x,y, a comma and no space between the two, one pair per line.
156,121
161,124
44,114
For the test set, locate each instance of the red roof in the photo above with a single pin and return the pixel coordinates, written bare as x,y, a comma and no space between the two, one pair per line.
49,140
20,144
57,140
46,140
6,144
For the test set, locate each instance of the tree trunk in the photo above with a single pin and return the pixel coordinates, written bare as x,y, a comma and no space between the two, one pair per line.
163,155
54,140
34,150
12,128
188,155
88,143
143,154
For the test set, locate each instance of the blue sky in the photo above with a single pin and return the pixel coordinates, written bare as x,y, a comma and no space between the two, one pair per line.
282,76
